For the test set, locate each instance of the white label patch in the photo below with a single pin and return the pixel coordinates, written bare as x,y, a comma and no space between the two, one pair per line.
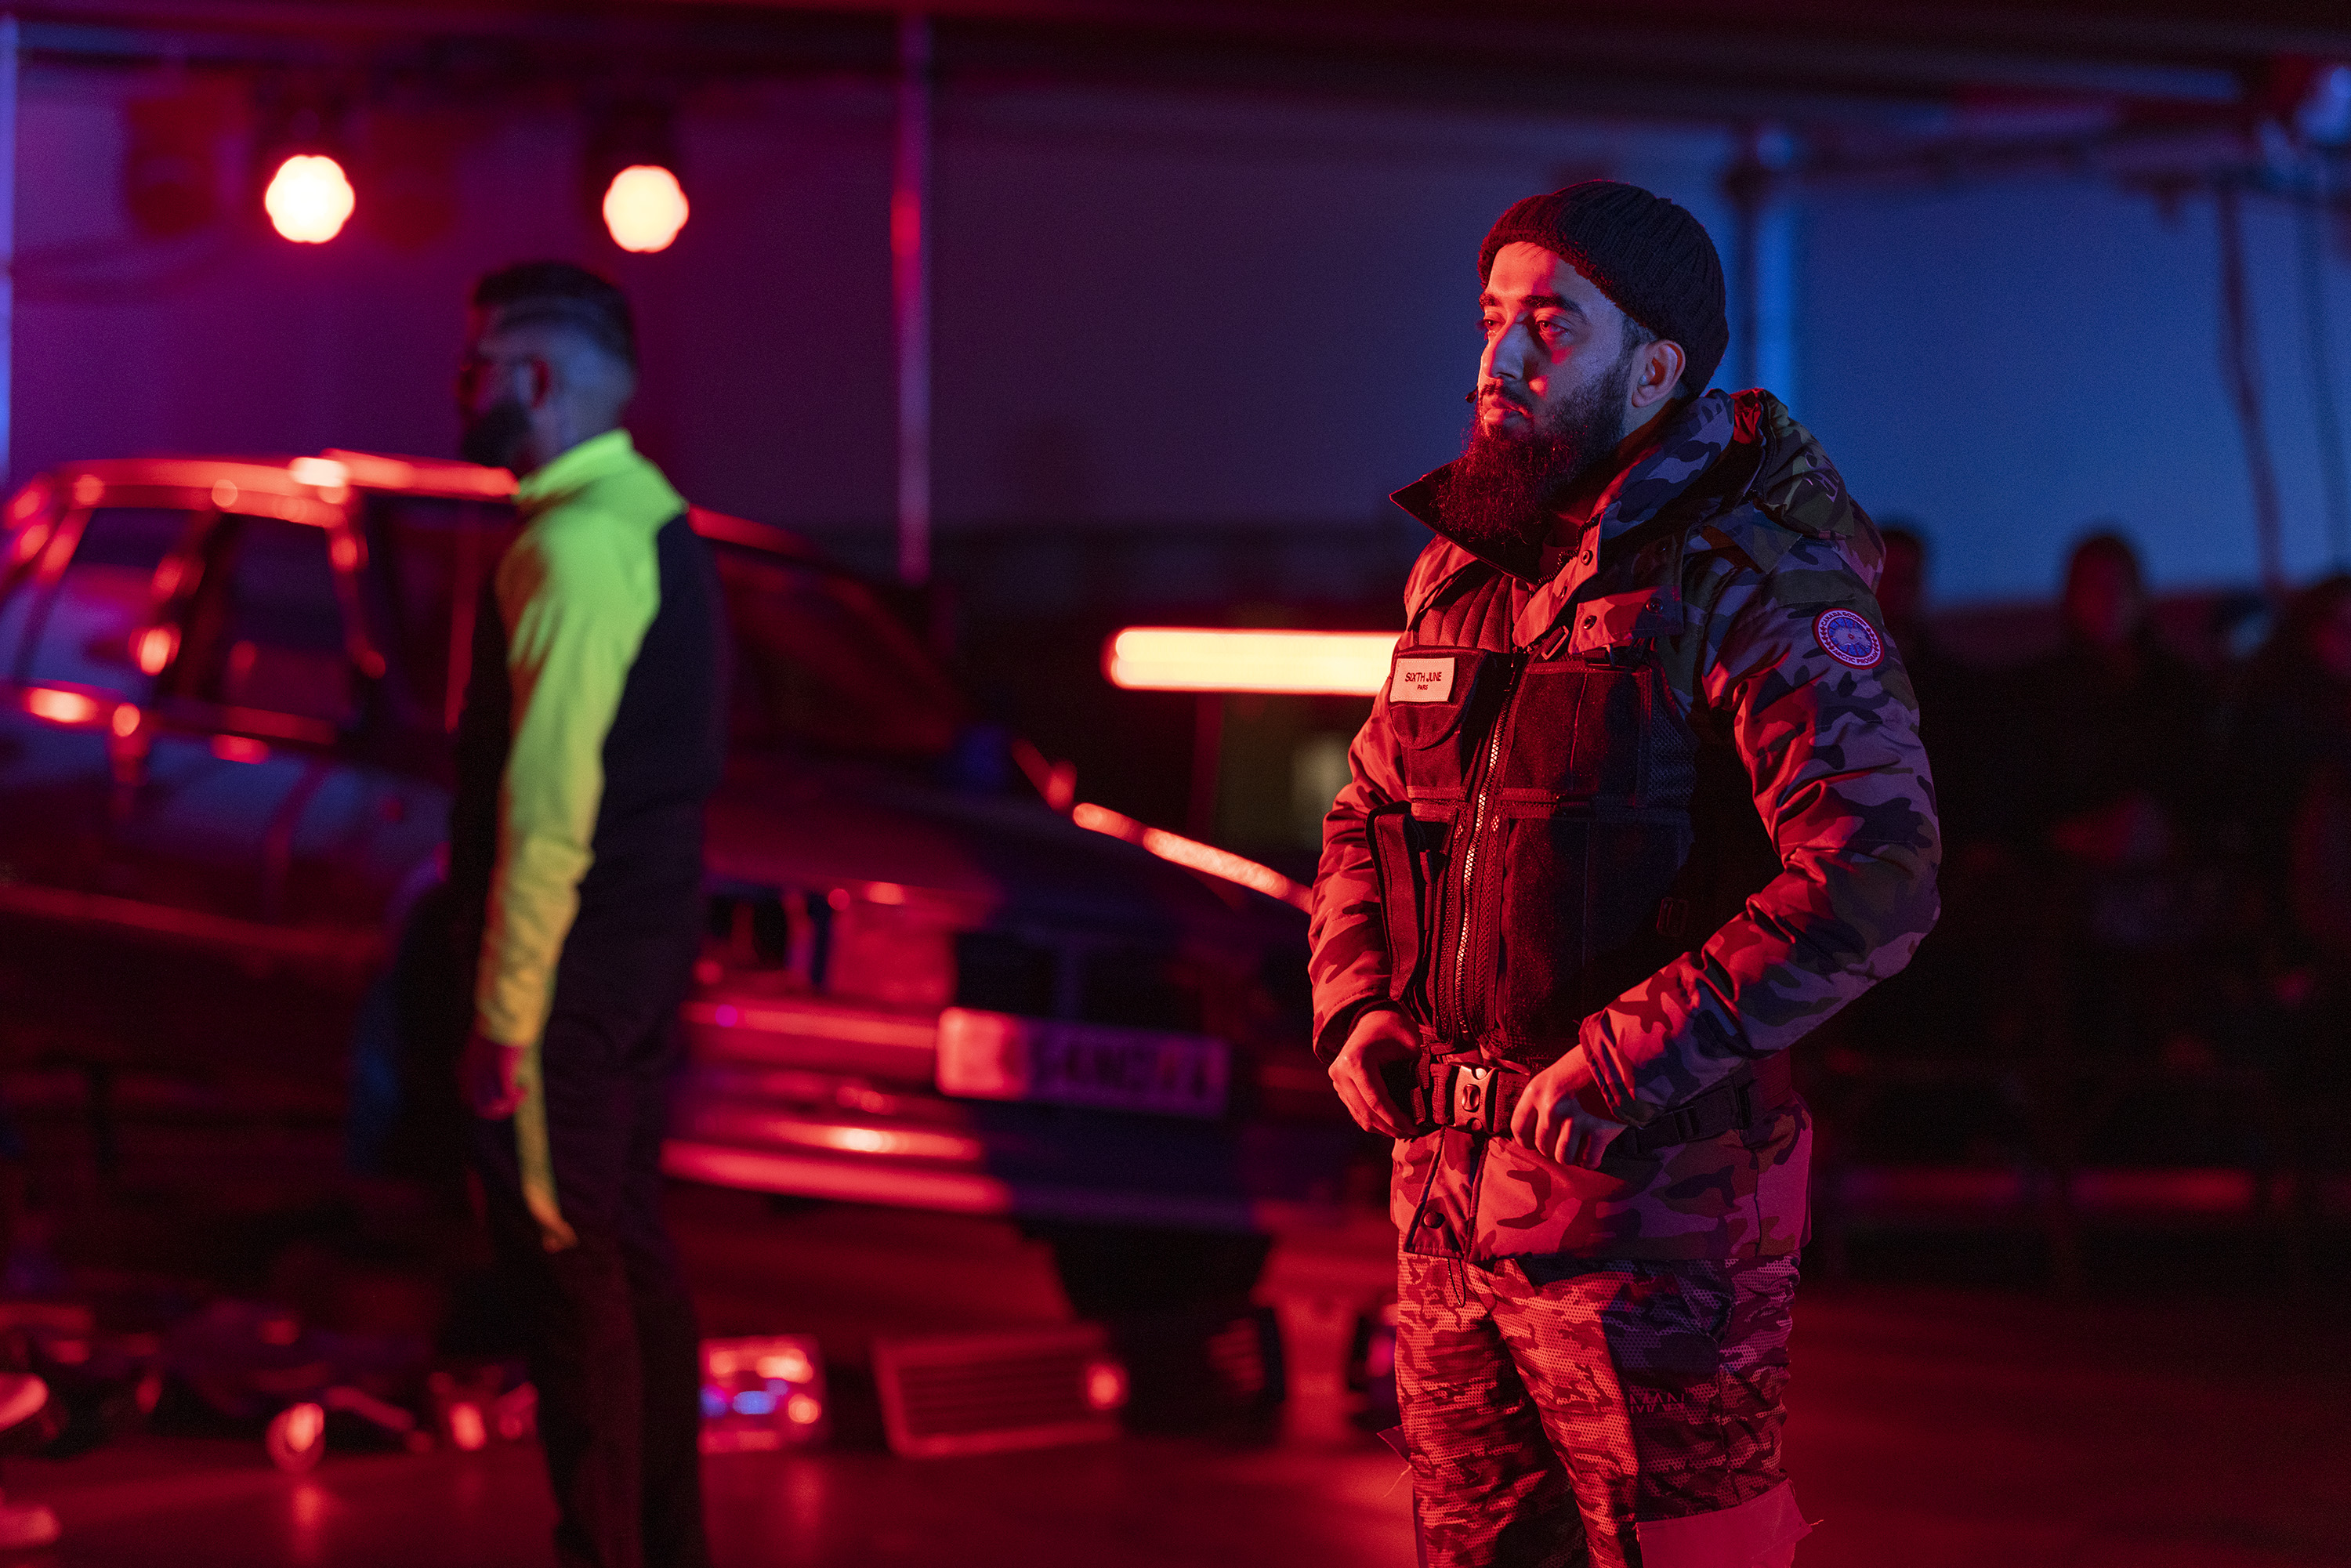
1422,681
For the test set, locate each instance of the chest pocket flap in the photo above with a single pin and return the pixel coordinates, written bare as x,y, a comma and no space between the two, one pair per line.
1429,693
1428,690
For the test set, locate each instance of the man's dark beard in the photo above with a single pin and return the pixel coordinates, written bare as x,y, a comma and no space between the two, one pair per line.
495,437
1495,498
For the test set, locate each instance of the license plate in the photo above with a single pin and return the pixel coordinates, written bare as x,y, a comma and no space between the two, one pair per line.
999,1056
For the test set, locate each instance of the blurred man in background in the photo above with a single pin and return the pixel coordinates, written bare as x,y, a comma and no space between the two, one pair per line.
2117,722
1642,802
2290,727
592,734
1933,1006
2112,808
1952,698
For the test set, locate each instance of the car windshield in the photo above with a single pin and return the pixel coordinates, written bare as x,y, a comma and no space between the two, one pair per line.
820,662
820,665
265,631
77,628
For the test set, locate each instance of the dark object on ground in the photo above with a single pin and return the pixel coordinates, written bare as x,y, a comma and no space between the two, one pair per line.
1201,1367
100,1385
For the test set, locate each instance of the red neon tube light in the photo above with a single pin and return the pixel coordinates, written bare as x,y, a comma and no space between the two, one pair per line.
1295,664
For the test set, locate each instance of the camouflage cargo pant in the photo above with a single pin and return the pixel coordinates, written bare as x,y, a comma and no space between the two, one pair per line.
1626,1415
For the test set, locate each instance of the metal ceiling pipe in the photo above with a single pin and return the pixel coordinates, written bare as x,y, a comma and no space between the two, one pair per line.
2241,369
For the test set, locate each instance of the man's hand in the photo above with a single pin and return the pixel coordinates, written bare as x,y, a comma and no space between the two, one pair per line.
1381,1035
489,1075
1555,1116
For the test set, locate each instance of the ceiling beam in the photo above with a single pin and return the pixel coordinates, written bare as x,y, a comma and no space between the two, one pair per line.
1681,59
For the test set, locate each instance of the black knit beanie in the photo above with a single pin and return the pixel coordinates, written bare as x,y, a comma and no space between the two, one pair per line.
1652,259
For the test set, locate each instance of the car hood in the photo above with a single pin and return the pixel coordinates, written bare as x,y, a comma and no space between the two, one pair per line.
887,834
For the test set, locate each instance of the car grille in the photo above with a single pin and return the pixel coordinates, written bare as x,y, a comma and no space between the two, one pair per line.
1137,986
788,931
1141,990
1001,973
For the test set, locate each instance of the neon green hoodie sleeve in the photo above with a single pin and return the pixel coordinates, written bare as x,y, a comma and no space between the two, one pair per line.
577,593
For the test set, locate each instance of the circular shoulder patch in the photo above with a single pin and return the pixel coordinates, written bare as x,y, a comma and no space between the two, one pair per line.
1848,639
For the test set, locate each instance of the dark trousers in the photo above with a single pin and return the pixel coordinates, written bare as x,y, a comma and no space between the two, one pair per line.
615,1348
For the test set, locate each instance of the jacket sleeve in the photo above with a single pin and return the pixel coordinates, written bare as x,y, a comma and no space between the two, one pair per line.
1349,967
576,605
1841,786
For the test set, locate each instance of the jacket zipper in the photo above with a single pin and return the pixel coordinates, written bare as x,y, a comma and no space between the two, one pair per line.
1468,915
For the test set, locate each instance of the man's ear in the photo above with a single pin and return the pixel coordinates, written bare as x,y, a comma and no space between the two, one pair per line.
1656,371
539,384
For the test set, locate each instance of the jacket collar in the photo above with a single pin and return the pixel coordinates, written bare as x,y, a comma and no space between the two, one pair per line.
1691,442
598,457
1792,489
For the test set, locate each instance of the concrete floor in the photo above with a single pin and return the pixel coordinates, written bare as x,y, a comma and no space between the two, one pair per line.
1930,1427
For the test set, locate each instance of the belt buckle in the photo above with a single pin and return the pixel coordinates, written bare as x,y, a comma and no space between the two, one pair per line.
1473,1097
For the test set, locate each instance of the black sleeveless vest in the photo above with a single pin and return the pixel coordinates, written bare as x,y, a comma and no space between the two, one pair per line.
1565,830
663,757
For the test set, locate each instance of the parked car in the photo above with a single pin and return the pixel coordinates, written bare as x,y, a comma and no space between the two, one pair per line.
226,691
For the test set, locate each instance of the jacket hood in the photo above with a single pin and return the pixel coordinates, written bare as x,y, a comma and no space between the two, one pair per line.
1796,487
1753,472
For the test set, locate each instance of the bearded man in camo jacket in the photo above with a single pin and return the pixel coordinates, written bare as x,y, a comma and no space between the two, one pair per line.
1642,803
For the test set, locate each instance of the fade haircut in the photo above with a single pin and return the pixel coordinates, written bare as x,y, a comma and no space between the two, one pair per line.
1638,338
559,293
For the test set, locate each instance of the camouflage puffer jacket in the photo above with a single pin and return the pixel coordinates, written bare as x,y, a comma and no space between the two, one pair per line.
1665,801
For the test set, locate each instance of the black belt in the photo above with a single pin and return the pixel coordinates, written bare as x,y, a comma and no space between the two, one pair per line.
1480,1096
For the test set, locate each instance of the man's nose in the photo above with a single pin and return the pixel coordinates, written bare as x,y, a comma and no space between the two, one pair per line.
1506,353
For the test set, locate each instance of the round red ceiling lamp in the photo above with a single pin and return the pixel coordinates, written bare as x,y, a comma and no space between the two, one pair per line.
309,199
644,207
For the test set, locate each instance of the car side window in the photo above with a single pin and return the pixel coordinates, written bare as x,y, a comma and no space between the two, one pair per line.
77,630
267,629
432,556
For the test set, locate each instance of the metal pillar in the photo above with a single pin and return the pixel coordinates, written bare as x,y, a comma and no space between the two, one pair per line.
8,64
2241,369
910,276
2311,215
1775,300
1763,264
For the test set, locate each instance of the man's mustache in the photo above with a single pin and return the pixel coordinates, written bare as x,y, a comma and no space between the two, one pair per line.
1496,390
